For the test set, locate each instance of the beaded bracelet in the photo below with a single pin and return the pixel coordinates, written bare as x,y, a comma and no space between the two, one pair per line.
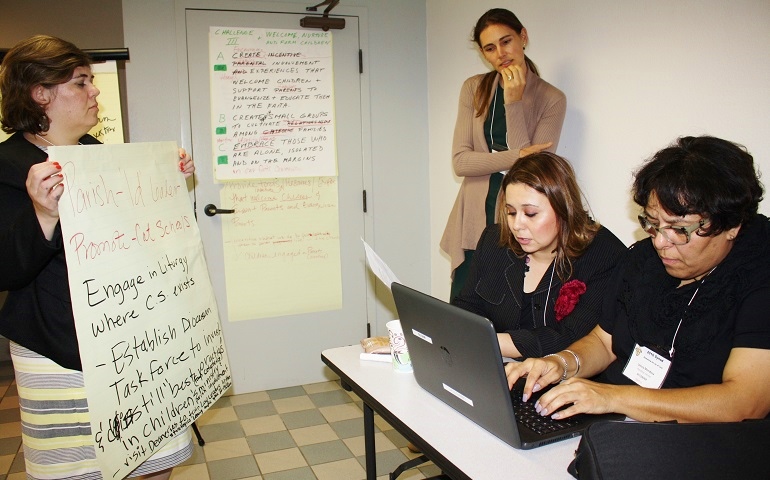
564,361
577,361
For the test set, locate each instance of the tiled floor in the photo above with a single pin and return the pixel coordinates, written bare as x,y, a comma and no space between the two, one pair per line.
298,433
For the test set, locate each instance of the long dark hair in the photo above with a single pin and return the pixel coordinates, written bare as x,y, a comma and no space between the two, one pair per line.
554,177
704,175
495,16
39,60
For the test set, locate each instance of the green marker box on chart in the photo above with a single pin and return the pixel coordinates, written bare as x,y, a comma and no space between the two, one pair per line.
220,68
222,160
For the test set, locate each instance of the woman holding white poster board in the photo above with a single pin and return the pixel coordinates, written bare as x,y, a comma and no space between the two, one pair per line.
49,99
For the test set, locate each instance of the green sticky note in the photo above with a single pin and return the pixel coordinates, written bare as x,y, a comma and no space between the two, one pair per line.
221,130
220,68
222,160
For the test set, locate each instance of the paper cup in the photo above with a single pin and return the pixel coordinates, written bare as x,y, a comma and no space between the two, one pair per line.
398,350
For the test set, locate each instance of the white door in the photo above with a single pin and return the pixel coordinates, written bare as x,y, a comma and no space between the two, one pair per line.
282,351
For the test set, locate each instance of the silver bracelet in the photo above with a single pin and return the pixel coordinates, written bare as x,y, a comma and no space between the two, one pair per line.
577,361
564,361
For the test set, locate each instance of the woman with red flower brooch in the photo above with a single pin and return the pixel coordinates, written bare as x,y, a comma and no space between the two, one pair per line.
540,272
685,330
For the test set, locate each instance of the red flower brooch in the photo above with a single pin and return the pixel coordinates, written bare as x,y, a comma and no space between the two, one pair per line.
569,295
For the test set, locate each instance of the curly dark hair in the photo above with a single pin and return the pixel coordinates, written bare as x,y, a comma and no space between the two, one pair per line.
38,60
705,175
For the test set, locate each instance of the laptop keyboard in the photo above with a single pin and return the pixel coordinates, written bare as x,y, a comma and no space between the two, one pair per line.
528,416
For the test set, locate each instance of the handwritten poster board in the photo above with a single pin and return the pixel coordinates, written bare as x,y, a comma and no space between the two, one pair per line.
110,126
281,247
272,103
151,343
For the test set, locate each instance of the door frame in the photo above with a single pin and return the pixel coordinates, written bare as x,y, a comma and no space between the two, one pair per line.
289,7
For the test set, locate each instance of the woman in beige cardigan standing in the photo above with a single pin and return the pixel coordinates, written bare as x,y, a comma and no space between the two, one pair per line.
504,114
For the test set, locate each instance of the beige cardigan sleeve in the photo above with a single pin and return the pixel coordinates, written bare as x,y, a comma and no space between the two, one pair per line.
537,118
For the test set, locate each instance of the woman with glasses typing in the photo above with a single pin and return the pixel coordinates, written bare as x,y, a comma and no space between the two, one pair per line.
685,331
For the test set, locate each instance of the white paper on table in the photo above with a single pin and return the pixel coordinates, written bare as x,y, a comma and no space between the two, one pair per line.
380,268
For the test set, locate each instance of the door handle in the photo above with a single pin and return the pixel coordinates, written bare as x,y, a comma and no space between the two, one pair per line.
211,210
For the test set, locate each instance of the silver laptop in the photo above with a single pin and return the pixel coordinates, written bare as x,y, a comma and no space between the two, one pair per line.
456,358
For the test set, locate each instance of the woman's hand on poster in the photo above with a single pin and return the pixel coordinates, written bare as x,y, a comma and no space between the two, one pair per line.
186,164
45,185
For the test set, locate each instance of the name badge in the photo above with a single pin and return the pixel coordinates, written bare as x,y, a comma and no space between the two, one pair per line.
646,368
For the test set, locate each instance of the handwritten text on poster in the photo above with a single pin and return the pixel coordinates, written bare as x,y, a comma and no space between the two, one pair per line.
282,247
147,322
272,103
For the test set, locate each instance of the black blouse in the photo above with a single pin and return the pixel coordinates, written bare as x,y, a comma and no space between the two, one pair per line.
731,309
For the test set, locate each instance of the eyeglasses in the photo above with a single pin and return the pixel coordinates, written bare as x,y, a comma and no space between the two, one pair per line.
675,235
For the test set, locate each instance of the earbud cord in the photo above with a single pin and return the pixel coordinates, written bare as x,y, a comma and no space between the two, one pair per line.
671,351
548,296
